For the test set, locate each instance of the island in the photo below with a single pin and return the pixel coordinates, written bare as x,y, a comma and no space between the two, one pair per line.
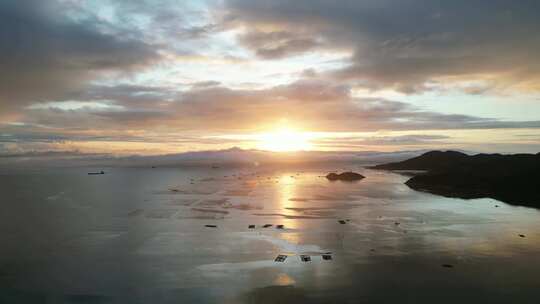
345,176
514,179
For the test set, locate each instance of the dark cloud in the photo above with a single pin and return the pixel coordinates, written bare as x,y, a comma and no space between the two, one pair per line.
312,104
189,116
206,84
353,143
134,116
148,97
45,55
404,45
277,44
197,32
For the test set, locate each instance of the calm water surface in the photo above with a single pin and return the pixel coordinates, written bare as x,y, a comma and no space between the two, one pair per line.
138,235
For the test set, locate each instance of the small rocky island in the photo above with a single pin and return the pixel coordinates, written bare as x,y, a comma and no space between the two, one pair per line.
345,176
514,179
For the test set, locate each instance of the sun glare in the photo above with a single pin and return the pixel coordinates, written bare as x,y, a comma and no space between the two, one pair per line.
284,140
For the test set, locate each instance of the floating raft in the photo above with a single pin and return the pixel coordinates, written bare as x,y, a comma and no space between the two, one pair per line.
305,258
326,257
280,258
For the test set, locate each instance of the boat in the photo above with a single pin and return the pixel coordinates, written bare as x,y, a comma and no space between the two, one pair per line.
96,173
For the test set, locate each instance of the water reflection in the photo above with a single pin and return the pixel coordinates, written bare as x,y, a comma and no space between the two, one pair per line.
287,189
283,279
128,237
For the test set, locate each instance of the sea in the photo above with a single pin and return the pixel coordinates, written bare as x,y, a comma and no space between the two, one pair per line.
204,234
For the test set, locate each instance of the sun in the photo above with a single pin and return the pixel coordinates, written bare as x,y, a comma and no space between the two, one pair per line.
284,140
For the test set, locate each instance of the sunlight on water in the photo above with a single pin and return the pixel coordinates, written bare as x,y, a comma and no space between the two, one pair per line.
134,233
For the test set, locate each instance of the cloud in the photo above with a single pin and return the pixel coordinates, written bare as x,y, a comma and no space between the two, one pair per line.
277,44
409,44
311,104
45,54
206,84
411,139
394,142
180,71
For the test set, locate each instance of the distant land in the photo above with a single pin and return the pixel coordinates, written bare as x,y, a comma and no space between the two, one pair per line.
514,179
217,158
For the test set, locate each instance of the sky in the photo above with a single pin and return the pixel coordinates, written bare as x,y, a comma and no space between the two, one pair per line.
157,77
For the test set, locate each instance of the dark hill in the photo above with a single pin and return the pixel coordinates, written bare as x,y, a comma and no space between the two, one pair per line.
432,160
514,179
